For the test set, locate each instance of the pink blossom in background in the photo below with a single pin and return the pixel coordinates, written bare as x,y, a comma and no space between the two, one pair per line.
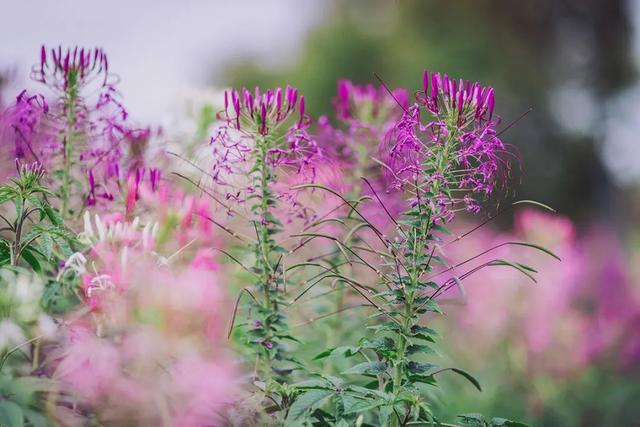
581,312
154,351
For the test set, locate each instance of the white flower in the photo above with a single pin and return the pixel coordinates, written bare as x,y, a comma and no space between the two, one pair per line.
10,335
46,326
99,284
117,232
23,291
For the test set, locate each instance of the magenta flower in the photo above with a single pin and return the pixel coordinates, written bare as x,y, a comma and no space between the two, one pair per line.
269,126
454,157
83,133
61,69
367,104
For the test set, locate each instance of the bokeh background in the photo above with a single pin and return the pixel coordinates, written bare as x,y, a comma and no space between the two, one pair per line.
573,62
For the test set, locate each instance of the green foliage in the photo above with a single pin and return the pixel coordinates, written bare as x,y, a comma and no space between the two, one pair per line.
19,403
478,420
36,236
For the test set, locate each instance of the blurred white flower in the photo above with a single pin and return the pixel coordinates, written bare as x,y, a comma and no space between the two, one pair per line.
117,232
10,335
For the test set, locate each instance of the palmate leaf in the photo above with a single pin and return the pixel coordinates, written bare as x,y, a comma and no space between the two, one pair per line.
353,405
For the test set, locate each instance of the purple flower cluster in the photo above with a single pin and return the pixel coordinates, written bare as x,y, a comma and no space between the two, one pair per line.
275,115
471,101
270,125
27,127
367,105
61,69
454,156
366,115
86,115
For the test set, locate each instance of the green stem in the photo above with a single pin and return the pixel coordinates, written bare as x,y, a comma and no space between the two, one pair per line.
70,112
265,249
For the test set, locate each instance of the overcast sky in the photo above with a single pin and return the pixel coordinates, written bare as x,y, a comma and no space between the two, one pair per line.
159,48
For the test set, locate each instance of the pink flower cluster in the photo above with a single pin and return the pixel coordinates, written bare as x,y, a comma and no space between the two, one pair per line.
582,312
149,352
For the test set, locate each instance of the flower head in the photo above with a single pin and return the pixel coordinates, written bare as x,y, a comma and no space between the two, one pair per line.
269,128
454,156
368,104
71,68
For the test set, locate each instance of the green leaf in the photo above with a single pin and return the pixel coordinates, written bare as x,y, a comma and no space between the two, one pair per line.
534,246
503,422
423,349
472,420
10,414
522,269
354,406
367,368
5,252
420,368
36,419
533,202
307,402
384,415
468,376
31,260
312,384
19,202
345,351
45,244
380,344
52,214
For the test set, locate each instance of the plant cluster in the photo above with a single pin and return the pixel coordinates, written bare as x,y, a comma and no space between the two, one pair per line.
121,317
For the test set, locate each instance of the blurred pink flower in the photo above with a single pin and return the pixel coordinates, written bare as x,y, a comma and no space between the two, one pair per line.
153,348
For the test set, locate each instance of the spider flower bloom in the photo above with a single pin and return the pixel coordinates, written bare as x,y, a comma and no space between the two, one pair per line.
453,157
367,103
27,129
257,128
370,113
71,68
461,99
277,117
263,112
83,134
